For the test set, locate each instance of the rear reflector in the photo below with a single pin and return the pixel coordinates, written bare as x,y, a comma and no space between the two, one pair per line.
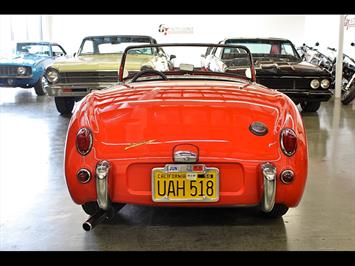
83,176
287,176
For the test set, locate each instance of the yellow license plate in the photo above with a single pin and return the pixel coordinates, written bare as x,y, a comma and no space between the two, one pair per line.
185,182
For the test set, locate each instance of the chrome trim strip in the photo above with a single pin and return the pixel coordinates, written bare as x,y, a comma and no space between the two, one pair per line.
57,89
84,84
269,191
16,77
103,199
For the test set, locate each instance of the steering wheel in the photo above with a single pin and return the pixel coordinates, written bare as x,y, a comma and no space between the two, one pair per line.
149,71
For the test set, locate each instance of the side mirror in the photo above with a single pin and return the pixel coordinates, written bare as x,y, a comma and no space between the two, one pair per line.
74,54
202,55
352,44
317,43
248,73
172,57
125,73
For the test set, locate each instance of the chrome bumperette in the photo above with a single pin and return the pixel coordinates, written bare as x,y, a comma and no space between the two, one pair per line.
101,174
269,182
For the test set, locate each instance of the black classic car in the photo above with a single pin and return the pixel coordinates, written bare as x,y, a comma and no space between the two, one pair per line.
279,66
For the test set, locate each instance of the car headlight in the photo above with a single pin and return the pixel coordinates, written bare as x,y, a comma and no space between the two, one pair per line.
21,70
325,83
52,75
315,84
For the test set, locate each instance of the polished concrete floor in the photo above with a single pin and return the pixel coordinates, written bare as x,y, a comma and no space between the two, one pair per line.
37,213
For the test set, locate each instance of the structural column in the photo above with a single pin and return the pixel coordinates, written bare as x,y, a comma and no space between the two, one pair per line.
339,63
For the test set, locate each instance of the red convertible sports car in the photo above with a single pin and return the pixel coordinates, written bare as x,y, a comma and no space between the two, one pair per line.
188,135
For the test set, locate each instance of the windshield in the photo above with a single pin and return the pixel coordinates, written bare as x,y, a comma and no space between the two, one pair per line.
33,48
269,49
188,61
113,45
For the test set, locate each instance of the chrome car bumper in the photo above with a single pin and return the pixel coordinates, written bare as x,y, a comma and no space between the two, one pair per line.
267,169
17,81
73,90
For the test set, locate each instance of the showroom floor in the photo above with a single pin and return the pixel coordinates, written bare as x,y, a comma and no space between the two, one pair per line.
37,213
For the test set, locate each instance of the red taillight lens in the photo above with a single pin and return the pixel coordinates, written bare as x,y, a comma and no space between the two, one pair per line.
84,141
288,141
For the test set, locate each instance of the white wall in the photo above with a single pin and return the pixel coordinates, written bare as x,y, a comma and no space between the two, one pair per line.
70,29
324,29
349,37
15,28
5,36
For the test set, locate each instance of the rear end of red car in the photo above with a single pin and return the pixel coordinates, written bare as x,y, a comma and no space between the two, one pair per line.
210,149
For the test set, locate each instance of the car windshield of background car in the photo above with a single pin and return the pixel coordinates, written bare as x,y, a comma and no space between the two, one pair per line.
108,47
274,50
38,49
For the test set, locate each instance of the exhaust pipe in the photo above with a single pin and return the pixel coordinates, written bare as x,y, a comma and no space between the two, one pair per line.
100,216
95,220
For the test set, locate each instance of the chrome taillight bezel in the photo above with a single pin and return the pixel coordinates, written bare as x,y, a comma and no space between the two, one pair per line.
90,140
283,131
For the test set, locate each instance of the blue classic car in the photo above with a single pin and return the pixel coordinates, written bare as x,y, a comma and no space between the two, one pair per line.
27,67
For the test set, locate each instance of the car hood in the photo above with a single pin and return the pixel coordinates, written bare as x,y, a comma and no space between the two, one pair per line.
215,116
24,59
103,62
289,69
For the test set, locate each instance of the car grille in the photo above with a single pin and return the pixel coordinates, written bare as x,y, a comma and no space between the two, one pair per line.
284,83
88,77
12,70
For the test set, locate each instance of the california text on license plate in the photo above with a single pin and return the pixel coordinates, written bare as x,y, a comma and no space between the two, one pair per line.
185,182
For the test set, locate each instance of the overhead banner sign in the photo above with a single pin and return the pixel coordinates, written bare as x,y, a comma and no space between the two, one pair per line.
175,30
349,22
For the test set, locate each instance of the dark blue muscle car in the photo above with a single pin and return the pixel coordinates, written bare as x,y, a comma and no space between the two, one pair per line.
26,68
